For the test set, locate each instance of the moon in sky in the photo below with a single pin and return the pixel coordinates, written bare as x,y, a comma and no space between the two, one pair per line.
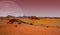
10,8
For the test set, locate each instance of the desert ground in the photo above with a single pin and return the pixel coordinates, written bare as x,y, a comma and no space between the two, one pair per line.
49,27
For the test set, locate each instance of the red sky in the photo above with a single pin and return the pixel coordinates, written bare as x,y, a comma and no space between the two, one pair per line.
43,8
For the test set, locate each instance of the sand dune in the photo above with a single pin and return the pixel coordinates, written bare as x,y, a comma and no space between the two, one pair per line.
24,29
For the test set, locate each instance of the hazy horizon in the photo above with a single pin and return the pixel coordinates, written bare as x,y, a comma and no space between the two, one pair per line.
40,8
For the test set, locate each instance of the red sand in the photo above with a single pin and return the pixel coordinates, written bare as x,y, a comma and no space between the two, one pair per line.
24,29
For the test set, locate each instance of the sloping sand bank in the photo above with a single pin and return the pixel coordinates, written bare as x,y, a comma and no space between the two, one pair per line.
24,29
